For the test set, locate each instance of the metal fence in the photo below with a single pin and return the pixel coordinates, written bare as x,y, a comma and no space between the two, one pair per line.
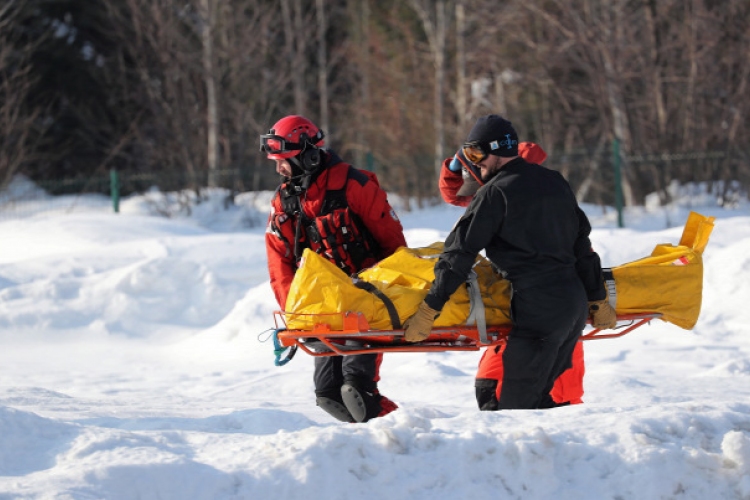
23,198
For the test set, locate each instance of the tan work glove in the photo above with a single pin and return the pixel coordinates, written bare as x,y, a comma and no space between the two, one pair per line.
419,326
603,316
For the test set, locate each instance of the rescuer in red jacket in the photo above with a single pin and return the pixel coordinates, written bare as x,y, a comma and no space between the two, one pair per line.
459,180
341,213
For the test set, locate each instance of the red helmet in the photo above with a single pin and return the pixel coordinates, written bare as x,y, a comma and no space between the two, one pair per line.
289,136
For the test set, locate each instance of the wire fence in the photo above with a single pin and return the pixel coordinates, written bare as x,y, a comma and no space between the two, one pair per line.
23,198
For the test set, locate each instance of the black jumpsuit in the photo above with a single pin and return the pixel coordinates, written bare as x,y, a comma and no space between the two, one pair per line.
527,220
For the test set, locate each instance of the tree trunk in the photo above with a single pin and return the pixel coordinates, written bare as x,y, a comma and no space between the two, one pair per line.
322,64
462,102
692,63
621,127
363,147
212,109
293,29
436,35
651,16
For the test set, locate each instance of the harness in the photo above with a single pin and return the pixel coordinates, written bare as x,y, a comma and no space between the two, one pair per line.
337,233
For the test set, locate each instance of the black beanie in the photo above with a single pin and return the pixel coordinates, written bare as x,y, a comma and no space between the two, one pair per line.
497,133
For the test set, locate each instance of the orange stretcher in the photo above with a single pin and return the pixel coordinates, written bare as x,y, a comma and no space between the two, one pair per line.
667,284
356,337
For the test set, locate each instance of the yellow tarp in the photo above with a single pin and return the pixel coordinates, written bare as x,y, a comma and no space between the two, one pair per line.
669,281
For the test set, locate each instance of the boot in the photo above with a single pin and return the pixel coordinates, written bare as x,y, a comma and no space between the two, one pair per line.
364,405
334,406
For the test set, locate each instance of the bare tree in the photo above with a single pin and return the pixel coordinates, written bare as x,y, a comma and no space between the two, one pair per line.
435,26
159,53
252,84
359,53
207,11
21,127
320,15
462,100
185,87
294,21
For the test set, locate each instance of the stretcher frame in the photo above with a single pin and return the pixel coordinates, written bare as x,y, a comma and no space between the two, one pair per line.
356,336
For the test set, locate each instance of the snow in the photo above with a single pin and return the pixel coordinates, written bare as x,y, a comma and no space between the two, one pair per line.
135,362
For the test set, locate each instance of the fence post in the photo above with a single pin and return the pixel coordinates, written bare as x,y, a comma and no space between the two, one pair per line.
114,189
618,181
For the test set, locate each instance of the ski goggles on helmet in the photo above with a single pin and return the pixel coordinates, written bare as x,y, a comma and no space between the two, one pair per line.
275,144
475,151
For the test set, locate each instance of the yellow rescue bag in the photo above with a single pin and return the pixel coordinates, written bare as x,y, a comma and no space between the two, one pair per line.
670,282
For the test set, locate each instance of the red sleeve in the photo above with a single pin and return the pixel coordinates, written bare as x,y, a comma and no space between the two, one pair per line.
370,203
280,252
449,183
532,152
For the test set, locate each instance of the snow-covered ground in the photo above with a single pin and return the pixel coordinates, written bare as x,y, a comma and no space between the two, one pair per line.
135,363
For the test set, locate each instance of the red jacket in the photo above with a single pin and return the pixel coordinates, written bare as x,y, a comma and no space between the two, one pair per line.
450,182
364,198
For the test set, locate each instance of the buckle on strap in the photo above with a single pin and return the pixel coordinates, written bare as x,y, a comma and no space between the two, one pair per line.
609,283
476,310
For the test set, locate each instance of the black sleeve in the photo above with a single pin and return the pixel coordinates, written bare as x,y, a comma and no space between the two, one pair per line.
473,231
588,264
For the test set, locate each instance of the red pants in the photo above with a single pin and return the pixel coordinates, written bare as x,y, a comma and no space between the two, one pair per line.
568,387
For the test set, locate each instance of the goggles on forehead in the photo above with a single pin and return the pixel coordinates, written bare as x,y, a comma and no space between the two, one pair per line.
475,151
275,144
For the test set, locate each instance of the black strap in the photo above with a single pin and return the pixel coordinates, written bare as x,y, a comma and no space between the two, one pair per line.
333,200
333,246
289,196
292,206
392,312
347,233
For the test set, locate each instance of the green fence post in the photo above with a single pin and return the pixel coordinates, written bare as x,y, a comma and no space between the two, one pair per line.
114,189
618,181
